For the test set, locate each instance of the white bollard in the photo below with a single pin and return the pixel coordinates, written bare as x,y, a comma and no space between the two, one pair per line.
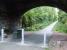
2,35
22,39
45,45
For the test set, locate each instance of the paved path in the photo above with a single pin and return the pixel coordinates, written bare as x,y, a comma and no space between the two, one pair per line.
12,46
37,37
48,30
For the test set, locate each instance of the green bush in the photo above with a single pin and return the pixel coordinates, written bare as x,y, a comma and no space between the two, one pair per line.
60,27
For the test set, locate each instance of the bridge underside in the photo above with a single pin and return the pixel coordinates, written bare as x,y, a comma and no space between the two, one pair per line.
11,10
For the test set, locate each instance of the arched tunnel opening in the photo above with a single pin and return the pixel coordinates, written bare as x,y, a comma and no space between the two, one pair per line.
28,18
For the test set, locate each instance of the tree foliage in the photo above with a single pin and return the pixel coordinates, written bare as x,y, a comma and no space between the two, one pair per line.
38,18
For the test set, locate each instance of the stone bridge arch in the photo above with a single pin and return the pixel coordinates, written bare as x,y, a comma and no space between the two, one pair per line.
24,5
13,9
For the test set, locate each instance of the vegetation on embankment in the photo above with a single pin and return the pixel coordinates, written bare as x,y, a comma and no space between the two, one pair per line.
61,26
40,17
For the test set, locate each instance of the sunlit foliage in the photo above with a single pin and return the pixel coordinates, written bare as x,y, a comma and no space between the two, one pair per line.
38,18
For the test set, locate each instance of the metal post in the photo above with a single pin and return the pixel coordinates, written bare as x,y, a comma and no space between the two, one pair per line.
22,40
45,45
2,34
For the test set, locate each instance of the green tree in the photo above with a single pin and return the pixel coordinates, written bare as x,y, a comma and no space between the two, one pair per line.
38,17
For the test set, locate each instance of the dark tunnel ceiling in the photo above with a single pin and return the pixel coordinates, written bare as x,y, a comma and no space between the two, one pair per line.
14,8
